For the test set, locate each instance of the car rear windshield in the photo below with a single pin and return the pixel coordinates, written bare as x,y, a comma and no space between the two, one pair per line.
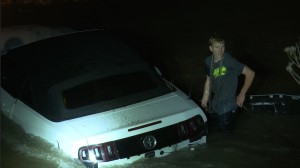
105,89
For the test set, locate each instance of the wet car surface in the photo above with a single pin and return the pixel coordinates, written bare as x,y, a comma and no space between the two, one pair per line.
97,99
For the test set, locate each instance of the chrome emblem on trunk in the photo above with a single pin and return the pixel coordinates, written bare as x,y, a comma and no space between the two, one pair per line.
149,142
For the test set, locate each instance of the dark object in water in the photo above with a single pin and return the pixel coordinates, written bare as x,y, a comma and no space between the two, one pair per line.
274,103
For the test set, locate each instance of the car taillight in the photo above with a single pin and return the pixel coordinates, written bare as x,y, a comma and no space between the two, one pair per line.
98,153
192,129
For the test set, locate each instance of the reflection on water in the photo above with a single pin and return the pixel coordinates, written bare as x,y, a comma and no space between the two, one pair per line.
259,140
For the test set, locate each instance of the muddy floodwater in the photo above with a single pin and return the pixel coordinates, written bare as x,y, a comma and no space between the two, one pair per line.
259,141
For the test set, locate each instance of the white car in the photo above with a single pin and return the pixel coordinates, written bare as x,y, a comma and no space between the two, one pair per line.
95,98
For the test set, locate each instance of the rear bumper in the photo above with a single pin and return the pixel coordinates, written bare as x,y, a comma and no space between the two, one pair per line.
155,143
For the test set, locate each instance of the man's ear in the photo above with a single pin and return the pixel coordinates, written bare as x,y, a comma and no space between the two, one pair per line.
210,48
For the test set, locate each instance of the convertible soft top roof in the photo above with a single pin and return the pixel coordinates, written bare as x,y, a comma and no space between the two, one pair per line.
38,73
52,60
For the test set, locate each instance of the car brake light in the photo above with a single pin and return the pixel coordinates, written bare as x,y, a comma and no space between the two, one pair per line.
191,129
98,153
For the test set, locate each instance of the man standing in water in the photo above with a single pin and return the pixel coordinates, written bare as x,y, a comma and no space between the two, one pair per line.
219,95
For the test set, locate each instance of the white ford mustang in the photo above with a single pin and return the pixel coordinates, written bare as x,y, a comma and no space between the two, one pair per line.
96,99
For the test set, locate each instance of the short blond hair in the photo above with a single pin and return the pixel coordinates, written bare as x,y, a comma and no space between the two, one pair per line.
216,38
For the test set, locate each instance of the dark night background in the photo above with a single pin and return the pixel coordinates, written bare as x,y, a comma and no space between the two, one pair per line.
174,35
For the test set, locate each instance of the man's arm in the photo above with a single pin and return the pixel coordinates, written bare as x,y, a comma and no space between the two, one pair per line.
249,76
206,93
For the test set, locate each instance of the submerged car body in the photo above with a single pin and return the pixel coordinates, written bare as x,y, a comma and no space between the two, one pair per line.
97,99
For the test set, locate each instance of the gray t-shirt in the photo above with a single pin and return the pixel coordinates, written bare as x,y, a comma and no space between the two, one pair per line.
224,80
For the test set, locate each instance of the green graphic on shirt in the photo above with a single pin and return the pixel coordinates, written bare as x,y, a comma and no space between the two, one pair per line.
220,71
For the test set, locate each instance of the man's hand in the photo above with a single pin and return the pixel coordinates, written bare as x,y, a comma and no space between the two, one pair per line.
204,104
249,76
240,100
